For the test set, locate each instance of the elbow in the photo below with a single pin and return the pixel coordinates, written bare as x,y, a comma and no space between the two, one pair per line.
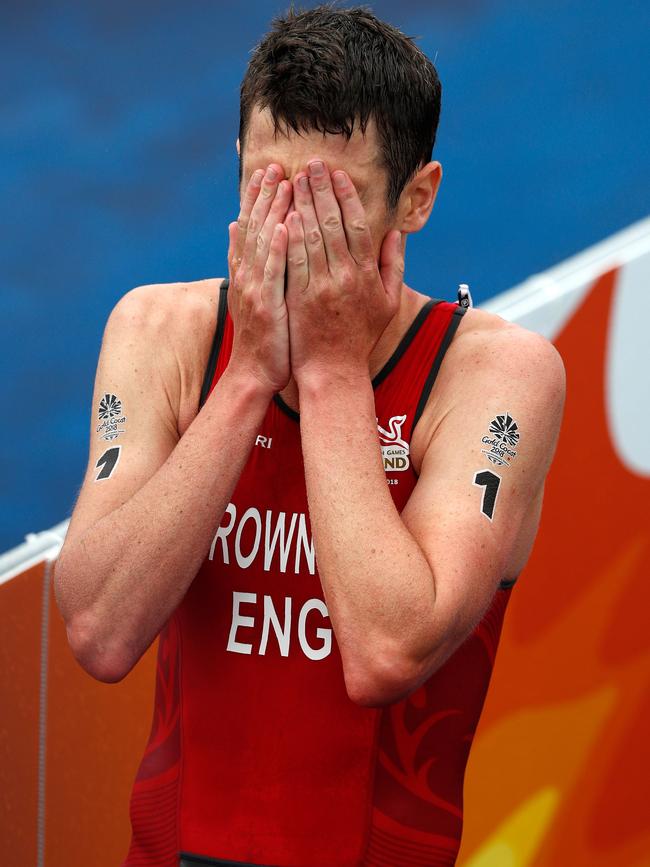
371,695
103,661
385,682
101,658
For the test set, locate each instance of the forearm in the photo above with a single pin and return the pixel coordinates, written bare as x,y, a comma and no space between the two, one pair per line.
124,577
378,585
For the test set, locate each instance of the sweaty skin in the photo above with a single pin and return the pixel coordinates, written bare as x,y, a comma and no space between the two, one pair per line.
319,304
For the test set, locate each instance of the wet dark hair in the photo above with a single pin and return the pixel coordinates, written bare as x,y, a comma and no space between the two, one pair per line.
327,69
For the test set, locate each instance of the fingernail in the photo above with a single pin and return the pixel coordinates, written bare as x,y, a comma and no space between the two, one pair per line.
339,179
316,168
303,183
271,174
257,177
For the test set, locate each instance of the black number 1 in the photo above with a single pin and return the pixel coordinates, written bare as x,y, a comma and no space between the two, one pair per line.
490,481
108,462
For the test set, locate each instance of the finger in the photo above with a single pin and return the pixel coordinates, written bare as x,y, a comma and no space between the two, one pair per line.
261,209
273,283
355,224
328,213
248,201
276,215
233,260
297,261
391,266
304,204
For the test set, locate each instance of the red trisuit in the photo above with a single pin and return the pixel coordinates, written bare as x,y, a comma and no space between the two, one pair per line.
257,755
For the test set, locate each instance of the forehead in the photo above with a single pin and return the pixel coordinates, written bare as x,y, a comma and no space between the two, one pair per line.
359,156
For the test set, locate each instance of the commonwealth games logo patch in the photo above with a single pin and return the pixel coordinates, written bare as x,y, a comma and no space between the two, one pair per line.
110,416
394,450
504,437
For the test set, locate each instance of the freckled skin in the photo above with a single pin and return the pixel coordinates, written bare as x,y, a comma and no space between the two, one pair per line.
360,159
115,595
449,587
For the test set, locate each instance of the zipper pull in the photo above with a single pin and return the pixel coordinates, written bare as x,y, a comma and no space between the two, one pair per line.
464,295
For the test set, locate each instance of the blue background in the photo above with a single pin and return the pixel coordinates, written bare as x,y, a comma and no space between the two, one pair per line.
118,168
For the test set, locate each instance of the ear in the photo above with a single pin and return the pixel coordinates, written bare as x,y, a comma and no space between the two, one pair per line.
238,148
417,198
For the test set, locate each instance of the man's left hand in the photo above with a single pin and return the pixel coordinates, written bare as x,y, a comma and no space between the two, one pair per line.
339,297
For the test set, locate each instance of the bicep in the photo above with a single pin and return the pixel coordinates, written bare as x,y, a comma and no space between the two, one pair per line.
481,482
132,424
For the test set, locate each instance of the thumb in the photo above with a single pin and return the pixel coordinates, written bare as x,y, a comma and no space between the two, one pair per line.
391,265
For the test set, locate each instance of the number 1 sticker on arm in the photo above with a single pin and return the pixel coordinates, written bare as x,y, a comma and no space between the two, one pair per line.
108,461
490,481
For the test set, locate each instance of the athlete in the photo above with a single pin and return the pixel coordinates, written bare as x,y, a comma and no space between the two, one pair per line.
314,484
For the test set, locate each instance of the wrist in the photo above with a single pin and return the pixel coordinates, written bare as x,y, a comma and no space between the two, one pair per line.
246,385
325,376
333,382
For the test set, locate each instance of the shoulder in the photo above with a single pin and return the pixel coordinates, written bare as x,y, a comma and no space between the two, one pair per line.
167,307
170,328
488,348
488,360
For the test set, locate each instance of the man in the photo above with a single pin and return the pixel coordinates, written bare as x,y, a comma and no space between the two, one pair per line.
316,484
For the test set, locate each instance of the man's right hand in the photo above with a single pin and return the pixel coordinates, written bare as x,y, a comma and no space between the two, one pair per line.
256,265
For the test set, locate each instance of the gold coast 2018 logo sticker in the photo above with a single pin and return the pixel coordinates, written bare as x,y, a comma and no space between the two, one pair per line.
111,417
500,444
394,450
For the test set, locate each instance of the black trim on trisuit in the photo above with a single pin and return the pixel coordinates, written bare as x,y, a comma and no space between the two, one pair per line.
188,859
216,342
286,409
506,584
402,346
405,342
454,322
